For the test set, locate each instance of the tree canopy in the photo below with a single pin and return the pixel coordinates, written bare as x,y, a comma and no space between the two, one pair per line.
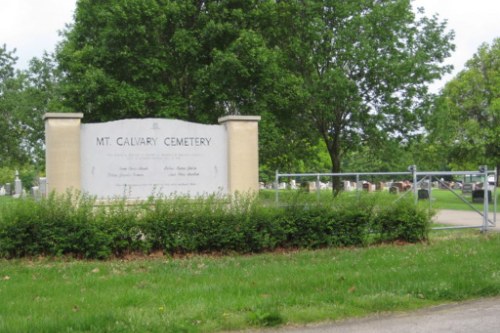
467,115
25,96
348,72
10,127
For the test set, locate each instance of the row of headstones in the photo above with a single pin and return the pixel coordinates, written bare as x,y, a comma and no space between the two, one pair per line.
16,190
346,185
466,188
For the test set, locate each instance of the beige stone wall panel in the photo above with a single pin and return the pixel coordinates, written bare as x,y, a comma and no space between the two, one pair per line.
62,140
243,153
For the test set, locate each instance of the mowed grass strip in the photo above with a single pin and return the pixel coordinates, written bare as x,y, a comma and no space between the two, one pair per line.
208,294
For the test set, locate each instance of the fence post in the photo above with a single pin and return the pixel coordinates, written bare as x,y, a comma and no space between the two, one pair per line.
484,170
318,189
413,169
357,186
276,188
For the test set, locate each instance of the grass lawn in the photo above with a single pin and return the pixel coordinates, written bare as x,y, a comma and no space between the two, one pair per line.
440,199
444,199
208,294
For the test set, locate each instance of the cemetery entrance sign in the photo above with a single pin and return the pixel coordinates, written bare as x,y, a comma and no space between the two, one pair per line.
137,158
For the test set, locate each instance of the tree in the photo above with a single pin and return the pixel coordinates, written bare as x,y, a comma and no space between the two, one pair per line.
25,96
10,127
365,67
349,72
467,118
186,59
40,93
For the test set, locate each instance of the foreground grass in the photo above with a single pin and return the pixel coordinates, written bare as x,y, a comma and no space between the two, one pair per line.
207,294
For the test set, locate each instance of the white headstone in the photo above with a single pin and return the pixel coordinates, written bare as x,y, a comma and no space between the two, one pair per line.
42,186
8,189
35,192
18,186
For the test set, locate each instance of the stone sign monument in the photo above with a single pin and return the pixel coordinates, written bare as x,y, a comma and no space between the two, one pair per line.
137,158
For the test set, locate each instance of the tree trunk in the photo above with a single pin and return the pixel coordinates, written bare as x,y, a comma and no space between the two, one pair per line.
498,176
334,152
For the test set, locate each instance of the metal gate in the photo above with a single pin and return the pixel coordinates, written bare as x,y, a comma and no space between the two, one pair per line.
418,177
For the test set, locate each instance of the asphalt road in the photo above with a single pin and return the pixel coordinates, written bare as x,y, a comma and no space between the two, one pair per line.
468,317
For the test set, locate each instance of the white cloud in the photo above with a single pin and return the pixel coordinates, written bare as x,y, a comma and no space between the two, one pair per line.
32,26
474,22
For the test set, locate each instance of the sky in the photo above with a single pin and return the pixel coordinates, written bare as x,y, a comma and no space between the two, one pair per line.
33,26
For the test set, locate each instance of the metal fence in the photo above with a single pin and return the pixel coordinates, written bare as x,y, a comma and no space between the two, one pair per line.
417,178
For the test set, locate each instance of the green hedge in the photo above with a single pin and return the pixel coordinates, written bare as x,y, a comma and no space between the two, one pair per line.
77,226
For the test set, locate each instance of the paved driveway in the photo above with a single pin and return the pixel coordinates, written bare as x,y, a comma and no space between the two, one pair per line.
463,218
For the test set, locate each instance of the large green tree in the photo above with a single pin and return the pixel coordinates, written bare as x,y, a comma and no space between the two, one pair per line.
187,59
365,67
195,60
25,96
348,71
10,127
467,116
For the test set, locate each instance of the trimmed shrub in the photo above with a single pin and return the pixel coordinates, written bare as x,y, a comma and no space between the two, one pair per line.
75,225
403,221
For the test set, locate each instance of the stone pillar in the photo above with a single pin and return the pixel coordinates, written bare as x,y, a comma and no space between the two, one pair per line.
62,154
243,153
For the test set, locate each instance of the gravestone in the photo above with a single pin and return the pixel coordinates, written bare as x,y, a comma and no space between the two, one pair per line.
423,194
394,189
367,187
8,189
380,186
444,185
310,186
18,186
468,188
425,184
478,196
346,185
35,193
42,186
2,191
399,185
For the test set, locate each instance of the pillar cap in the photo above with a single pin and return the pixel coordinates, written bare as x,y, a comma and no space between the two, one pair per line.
63,115
226,119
